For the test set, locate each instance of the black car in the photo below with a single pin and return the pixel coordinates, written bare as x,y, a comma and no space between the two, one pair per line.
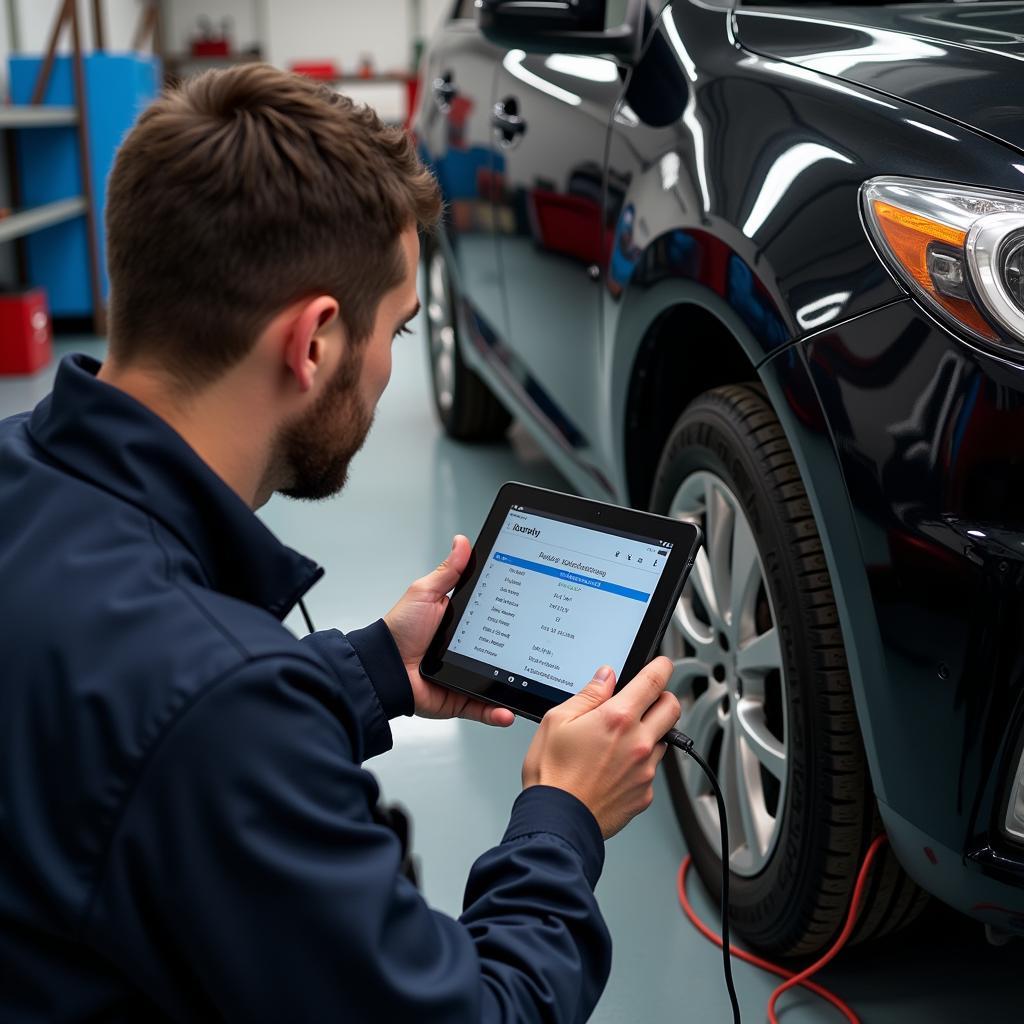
761,266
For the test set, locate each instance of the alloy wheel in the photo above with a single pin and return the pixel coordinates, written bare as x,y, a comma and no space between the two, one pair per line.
729,677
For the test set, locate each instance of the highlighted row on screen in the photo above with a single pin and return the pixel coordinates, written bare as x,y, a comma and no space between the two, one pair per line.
572,577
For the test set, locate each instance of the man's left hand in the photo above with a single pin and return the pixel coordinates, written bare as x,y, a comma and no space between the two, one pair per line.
413,622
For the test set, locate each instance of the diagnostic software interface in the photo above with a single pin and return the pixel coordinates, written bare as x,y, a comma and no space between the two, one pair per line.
556,600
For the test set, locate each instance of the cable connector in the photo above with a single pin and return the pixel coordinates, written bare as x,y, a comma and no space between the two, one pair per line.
675,738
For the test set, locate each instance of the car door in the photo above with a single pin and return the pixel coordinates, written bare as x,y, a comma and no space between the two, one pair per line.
550,121
454,126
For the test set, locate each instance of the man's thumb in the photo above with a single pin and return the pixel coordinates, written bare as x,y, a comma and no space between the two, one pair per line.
595,693
447,574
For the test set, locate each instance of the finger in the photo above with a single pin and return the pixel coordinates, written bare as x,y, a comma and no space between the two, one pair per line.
488,714
645,687
500,717
447,574
593,695
661,716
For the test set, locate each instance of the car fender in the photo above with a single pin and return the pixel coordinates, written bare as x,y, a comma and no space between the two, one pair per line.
707,273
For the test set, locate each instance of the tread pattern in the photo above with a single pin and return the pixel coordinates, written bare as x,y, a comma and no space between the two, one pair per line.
847,815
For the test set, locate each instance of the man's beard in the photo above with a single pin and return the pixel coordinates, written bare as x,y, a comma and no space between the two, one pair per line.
314,451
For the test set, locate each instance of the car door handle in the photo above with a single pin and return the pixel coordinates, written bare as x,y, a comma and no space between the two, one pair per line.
506,121
444,91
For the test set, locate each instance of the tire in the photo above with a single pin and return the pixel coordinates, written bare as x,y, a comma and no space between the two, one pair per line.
810,813
466,407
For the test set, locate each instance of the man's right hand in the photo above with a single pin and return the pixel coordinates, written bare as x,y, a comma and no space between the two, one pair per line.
605,748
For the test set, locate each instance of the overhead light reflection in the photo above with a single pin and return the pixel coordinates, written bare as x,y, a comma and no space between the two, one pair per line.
822,310
929,128
690,113
626,115
781,175
596,69
807,75
669,165
513,64
677,44
884,48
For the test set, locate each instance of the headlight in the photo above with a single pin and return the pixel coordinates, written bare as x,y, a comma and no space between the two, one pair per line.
960,251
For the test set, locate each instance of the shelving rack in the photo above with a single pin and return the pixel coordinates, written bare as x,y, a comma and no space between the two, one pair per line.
35,115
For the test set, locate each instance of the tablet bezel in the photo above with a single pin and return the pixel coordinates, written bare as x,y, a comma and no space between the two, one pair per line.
685,538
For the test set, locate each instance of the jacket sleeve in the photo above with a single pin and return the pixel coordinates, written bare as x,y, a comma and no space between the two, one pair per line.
246,880
367,663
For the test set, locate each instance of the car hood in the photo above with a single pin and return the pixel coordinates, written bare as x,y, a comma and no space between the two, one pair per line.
962,61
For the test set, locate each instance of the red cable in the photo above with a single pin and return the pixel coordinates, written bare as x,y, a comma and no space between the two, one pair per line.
793,979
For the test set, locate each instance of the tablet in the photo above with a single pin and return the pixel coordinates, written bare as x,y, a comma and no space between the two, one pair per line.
557,586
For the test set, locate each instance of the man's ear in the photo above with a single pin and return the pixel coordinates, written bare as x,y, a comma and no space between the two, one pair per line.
305,345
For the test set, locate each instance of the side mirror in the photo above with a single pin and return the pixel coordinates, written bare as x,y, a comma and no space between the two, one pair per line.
563,26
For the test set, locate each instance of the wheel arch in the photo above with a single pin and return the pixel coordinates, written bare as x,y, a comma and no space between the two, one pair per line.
654,401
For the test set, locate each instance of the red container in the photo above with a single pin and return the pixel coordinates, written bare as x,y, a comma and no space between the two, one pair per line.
26,334
322,70
211,47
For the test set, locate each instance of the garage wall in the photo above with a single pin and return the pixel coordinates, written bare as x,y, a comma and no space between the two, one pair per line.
339,30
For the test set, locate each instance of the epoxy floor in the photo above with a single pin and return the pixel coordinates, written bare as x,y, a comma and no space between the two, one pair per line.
410,490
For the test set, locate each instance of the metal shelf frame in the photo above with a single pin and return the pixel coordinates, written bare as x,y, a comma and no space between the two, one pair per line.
35,218
27,116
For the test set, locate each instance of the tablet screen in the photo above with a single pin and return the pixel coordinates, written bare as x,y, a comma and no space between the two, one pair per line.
555,600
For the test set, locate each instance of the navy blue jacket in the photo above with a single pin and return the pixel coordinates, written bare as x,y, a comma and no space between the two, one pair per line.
185,829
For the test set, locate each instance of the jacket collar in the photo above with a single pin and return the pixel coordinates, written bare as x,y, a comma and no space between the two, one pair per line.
100,433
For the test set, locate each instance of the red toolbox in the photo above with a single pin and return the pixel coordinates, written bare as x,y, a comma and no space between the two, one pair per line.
26,334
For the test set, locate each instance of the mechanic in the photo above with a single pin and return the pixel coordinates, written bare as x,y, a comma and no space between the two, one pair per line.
186,831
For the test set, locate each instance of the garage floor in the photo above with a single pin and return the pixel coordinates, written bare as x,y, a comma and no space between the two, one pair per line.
409,491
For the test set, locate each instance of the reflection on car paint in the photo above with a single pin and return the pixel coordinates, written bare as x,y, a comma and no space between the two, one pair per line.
705,259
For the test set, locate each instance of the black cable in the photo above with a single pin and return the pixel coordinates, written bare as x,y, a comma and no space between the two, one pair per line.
683,742
305,615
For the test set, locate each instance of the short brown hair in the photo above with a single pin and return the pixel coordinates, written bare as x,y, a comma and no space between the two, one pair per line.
240,192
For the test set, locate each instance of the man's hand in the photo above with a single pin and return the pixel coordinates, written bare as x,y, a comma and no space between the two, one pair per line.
604,747
413,622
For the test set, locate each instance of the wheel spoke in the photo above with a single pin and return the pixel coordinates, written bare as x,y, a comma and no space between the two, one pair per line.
437,307
688,625
731,797
700,723
719,521
760,656
744,577
684,672
703,584
762,744
748,792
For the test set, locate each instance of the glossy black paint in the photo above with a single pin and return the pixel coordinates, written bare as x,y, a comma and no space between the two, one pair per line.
693,219
924,437
955,60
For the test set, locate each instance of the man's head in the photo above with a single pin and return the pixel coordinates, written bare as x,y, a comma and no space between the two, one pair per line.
262,230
